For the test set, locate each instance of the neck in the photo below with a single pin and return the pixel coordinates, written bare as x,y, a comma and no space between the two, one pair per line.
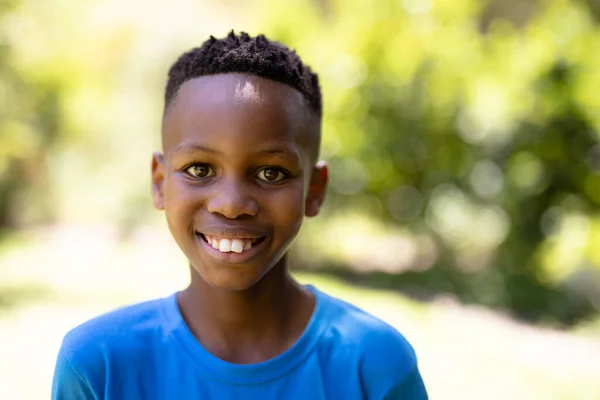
250,325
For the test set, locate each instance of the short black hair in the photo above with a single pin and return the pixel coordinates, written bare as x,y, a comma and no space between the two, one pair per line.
242,53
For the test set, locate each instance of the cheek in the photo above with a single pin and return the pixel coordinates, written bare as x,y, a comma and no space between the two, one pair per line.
180,202
288,209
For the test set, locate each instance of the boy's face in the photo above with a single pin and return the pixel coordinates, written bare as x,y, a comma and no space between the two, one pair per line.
238,173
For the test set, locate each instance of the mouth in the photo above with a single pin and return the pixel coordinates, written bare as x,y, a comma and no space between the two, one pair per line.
231,245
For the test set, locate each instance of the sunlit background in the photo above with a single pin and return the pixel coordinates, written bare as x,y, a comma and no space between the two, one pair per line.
464,142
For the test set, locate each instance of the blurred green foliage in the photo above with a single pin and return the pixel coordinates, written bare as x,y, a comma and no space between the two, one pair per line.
481,135
469,128
29,127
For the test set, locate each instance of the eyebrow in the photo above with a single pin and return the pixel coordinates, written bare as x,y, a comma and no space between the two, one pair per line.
189,148
282,152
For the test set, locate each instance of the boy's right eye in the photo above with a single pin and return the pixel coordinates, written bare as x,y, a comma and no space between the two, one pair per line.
200,171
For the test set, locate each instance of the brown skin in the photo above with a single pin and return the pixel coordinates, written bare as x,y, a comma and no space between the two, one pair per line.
239,161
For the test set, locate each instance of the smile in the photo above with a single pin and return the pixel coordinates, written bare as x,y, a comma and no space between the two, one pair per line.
227,245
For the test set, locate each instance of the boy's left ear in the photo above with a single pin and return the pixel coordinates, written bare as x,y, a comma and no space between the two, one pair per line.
317,189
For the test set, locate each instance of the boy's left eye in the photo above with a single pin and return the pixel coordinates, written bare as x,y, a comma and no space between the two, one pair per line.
271,175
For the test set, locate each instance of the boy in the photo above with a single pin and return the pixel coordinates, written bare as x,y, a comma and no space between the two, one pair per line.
238,172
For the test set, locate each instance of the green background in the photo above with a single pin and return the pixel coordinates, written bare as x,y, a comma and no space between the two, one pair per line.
463,139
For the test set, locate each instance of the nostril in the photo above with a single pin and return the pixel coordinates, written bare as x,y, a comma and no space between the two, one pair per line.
232,200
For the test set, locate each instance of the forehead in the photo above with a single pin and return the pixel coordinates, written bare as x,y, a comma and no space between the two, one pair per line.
238,109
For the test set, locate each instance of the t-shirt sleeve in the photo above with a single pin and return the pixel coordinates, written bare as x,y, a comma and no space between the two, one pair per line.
67,383
389,368
410,388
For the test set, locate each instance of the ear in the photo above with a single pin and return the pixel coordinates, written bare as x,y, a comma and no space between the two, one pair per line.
317,189
158,179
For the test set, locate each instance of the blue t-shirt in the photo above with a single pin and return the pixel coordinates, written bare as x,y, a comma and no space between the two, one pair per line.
146,351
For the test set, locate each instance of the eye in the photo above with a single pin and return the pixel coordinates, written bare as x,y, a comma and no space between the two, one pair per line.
200,171
271,175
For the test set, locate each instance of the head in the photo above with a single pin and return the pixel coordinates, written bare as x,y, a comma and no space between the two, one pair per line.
239,171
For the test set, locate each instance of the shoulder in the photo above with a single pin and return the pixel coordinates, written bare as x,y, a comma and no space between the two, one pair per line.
367,334
118,333
88,351
384,358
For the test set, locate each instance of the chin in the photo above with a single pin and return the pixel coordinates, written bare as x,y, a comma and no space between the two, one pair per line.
228,278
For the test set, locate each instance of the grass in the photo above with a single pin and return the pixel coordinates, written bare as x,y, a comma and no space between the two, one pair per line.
464,352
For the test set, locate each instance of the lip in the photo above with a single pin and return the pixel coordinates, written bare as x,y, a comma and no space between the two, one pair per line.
230,232
232,257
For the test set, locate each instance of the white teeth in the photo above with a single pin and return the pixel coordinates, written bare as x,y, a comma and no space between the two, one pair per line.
225,246
229,245
237,245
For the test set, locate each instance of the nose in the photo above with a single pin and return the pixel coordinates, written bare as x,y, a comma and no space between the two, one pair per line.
232,200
